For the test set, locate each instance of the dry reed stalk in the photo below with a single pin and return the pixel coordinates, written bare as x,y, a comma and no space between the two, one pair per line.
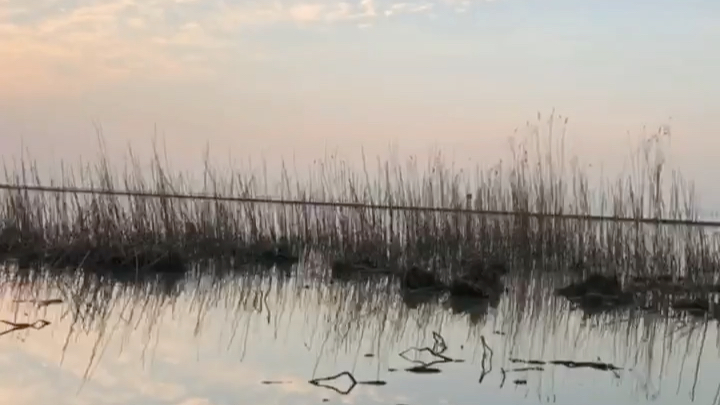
140,231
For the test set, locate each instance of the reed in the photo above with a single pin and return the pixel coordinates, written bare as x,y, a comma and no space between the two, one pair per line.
165,233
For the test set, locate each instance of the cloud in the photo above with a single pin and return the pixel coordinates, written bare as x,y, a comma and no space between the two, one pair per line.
104,42
408,8
195,401
300,13
307,12
65,47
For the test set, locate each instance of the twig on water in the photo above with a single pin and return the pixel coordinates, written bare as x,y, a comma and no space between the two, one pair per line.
441,358
521,369
353,382
41,303
21,326
486,362
533,362
439,345
596,365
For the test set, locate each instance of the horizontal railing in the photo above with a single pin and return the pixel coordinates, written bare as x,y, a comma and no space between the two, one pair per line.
279,201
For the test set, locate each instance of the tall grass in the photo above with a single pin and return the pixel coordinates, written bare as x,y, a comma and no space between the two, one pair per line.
539,178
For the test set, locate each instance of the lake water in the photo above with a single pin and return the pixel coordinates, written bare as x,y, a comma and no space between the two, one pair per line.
259,338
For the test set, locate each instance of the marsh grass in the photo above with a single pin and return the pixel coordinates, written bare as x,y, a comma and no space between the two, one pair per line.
163,233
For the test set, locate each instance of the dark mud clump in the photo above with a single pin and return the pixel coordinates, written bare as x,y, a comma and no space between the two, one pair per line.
272,253
468,288
417,298
344,269
475,308
671,284
593,284
163,261
481,269
597,292
663,283
696,307
416,278
479,280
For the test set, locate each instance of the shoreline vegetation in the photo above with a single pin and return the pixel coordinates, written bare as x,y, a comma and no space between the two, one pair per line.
535,270
141,235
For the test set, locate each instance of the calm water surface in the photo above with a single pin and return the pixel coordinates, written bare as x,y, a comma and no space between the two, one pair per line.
220,341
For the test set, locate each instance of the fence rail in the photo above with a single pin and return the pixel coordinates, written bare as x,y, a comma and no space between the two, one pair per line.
386,207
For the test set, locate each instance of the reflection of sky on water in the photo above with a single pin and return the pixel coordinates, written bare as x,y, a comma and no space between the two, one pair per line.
205,348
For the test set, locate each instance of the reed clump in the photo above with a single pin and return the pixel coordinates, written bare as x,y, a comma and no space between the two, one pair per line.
164,233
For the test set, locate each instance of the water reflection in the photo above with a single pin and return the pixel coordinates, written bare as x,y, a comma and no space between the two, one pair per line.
261,336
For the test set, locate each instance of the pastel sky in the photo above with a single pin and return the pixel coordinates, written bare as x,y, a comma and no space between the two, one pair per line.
283,77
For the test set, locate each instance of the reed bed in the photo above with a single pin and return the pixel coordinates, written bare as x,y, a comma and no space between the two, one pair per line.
139,232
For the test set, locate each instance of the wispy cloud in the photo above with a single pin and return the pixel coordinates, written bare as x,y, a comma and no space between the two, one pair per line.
64,46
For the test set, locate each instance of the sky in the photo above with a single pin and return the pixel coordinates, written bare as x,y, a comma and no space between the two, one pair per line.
282,79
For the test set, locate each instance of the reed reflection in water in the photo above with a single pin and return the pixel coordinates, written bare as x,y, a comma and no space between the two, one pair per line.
259,337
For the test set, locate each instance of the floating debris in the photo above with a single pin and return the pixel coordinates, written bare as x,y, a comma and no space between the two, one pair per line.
39,324
523,369
486,362
440,358
353,382
422,367
439,345
596,365
537,362
42,303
